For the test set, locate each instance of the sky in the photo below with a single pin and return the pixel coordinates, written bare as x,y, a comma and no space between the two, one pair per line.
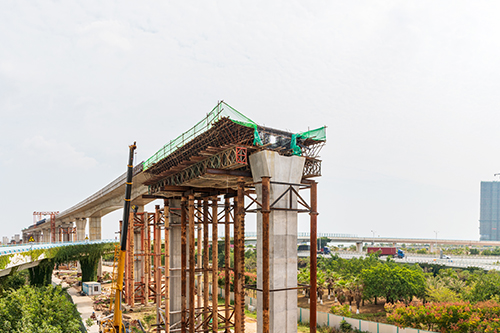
408,90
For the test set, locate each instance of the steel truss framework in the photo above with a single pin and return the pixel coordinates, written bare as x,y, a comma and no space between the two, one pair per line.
204,213
229,159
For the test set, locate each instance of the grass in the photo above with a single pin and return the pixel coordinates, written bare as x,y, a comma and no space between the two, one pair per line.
376,316
304,328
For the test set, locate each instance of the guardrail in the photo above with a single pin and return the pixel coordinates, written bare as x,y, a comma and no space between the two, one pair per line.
37,246
307,235
467,262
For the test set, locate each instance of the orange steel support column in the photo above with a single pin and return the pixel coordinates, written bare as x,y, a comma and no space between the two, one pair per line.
313,239
215,271
157,255
157,264
198,248
205,264
127,268
192,263
166,212
143,259
227,260
148,241
183,264
239,258
147,259
266,210
52,229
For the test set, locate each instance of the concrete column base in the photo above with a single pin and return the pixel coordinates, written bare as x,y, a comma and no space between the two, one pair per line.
81,225
282,240
175,261
359,247
95,228
95,234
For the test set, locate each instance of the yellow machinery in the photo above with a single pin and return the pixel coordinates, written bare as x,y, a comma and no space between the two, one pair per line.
114,322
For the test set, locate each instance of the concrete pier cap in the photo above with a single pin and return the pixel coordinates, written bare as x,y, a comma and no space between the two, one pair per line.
282,239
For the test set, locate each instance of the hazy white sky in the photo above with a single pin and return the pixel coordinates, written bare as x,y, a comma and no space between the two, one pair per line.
408,90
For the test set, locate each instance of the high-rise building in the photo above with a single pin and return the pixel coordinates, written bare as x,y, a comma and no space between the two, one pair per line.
17,238
5,240
489,218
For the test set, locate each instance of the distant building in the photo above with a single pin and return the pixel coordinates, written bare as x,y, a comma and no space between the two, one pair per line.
17,238
5,240
489,218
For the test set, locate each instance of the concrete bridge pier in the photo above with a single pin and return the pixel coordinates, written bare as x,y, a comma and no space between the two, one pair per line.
46,235
359,247
65,227
282,240
95,234
95,228
175,260
81,224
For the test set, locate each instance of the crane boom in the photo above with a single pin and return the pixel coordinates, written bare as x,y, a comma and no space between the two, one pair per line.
117,318
115,325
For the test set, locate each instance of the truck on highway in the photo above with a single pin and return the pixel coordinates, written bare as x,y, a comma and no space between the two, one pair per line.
386,251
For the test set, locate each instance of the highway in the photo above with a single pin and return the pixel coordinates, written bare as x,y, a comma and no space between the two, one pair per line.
487,263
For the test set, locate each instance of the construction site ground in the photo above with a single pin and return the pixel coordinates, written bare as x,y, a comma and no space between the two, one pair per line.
99,305
147,314
371,311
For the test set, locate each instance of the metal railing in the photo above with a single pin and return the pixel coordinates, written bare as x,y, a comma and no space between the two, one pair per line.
307,235
19,248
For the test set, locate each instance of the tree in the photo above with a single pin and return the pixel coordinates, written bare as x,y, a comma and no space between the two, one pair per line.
486,287
38,309
394,282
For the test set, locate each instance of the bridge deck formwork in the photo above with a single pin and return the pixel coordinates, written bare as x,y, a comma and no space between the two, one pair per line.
209,178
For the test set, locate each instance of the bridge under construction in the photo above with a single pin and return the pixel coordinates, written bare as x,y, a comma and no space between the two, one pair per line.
208,179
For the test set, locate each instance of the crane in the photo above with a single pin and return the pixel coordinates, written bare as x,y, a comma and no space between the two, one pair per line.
114,323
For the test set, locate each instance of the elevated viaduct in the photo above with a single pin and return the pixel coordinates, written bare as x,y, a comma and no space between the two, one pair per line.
224,167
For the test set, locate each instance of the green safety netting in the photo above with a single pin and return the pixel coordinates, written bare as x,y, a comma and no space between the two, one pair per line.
318,134
220,111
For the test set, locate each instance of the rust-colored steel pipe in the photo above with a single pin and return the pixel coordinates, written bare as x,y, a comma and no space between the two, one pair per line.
239,258
166,214
227,259
205,264
183,264
266,210
215,271
313,256
192,262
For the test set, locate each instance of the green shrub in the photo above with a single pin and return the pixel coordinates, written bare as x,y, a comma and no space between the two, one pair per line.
345,326
341,310
38,309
